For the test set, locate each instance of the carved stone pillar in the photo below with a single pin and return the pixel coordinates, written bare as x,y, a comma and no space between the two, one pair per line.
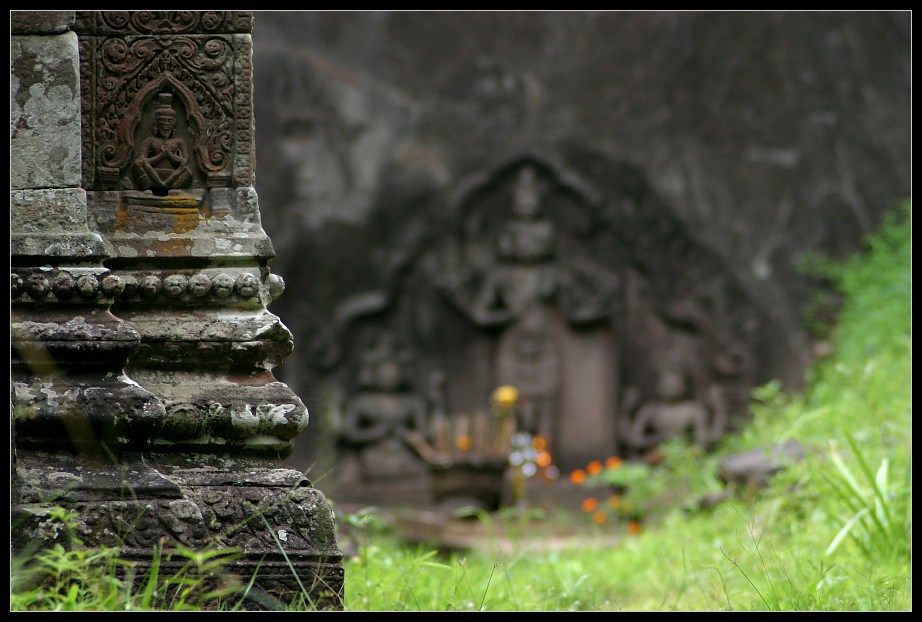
146,283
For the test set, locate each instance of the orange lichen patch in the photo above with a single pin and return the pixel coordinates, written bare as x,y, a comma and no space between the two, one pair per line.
634,528
179,201
614,502
255,379
578,476
123,219
613,463
594,467
173,213
463,442
599,517
590,504
172,247
543,459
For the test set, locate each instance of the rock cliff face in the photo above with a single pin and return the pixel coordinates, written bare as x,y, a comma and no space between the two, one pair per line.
683,163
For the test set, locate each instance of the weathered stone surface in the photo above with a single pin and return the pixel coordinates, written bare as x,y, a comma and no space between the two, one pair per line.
40,22
223,412
76,479
52,222
130,375
44,112
272,516
219,222
185,230
48,211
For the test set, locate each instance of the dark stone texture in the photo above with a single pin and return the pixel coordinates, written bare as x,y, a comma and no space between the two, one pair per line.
40,22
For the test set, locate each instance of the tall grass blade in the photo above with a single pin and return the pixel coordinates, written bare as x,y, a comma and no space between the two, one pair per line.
867,473
150,588
846,529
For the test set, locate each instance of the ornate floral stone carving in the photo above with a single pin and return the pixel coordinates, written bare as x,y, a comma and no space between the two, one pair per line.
131,59
163,22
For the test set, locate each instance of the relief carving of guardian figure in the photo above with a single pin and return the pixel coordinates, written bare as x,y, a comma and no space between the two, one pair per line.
384,409
674,411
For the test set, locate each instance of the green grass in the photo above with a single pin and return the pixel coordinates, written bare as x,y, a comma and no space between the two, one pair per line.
829,533
77,578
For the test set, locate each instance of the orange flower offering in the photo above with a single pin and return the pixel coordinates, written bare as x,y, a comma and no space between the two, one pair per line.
594,467
614,502
634,528
539,443
463,442
590,504
599,517
613,463
578,476
543,459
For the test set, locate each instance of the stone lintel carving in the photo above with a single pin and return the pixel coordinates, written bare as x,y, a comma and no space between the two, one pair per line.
514,267
162,22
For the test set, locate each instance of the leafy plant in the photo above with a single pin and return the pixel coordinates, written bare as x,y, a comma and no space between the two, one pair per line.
877,512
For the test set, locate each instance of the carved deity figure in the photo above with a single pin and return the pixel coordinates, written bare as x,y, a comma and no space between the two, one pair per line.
521,273
163,158
516,293
378,417
529,298
674,411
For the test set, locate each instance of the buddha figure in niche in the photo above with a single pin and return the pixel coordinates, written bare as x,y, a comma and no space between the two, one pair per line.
163,157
